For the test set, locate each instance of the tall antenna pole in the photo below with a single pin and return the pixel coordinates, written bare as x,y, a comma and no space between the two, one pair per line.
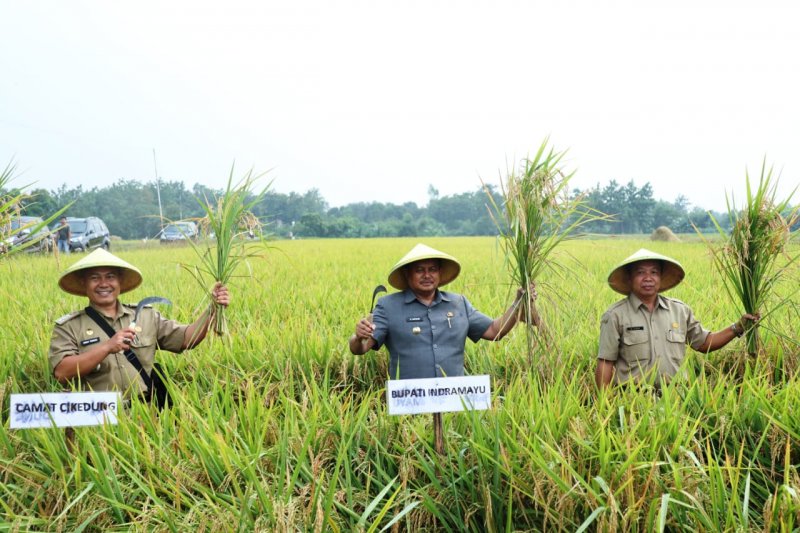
158,192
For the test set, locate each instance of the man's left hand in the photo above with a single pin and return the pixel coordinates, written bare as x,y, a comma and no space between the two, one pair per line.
531,291
747,321
220,294
748,318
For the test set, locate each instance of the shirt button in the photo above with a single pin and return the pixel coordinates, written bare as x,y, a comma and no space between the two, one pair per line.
435,345
433,327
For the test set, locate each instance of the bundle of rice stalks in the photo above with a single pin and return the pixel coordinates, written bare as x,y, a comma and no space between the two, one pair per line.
663,234
226,227
11,205
536,214
7,207
747,259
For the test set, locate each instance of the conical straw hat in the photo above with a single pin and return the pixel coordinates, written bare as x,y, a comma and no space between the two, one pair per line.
71,279
671,271
449,271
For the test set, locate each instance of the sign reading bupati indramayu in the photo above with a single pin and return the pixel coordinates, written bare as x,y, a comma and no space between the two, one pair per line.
438,395
63,409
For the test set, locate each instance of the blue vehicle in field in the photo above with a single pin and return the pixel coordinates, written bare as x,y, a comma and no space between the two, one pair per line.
88,233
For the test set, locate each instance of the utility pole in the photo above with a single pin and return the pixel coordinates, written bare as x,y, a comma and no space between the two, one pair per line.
158,193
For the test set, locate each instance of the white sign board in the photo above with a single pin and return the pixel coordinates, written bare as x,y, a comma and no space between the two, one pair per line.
63,409
438,395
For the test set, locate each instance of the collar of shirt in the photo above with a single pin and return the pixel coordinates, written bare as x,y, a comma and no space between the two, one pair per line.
121,311
636,303
410,297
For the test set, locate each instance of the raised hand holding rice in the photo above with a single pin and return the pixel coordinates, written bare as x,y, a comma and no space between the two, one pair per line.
227,225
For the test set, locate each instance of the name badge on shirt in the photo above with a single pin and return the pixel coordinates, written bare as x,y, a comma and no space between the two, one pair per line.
87,342
414,319
635,328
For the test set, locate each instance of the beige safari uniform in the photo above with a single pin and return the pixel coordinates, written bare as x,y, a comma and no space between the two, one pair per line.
638,341
76,333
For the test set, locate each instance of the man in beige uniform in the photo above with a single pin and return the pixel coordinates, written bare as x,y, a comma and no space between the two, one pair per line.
81,353
644,336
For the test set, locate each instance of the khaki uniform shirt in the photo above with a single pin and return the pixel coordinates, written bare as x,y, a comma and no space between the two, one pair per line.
638,341
76,333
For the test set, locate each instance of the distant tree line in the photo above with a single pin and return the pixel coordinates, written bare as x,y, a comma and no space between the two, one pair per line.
130,209
635,210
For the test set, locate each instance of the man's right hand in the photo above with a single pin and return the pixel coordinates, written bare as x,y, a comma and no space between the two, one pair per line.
364,329
361,342
81,364
604,373
121,340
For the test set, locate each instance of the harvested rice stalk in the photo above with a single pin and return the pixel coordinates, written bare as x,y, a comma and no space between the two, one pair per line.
227,226
747,259
536,214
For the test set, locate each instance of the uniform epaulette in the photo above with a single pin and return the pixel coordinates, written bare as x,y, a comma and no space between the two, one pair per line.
618,303
69,316
670,299
133,306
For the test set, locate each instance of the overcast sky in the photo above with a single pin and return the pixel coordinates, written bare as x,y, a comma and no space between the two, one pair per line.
376,101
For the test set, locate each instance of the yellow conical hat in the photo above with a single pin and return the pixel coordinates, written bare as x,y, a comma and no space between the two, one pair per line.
71,279
671,271
449,271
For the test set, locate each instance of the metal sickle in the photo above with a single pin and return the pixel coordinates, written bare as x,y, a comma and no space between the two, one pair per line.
141,305
379,289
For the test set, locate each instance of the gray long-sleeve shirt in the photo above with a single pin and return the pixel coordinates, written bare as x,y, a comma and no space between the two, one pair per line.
426,342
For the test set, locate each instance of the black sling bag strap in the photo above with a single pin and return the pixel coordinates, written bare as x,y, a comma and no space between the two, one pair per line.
129,355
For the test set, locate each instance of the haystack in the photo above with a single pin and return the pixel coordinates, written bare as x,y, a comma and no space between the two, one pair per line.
664,234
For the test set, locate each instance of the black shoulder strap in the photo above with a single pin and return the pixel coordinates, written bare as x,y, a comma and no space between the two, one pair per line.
129,354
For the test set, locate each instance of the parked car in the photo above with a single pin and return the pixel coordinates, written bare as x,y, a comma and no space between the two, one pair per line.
88,233
178,232
30,232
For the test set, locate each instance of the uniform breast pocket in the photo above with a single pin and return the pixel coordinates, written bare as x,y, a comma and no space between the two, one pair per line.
142,341
636,345
675,335
453,320
102,367
676,345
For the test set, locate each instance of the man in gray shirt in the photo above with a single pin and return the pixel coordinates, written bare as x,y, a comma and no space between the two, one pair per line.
425,329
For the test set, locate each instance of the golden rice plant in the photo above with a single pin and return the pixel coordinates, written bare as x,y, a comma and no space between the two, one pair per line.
9,203
536,214
748,258
282,429
227,224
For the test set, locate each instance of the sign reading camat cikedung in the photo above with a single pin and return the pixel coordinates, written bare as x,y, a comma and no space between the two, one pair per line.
438,395
63,409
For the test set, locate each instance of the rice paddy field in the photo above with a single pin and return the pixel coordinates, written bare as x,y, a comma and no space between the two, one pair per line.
280,428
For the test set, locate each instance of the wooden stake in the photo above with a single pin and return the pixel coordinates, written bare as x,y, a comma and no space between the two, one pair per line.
438,438
69,438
